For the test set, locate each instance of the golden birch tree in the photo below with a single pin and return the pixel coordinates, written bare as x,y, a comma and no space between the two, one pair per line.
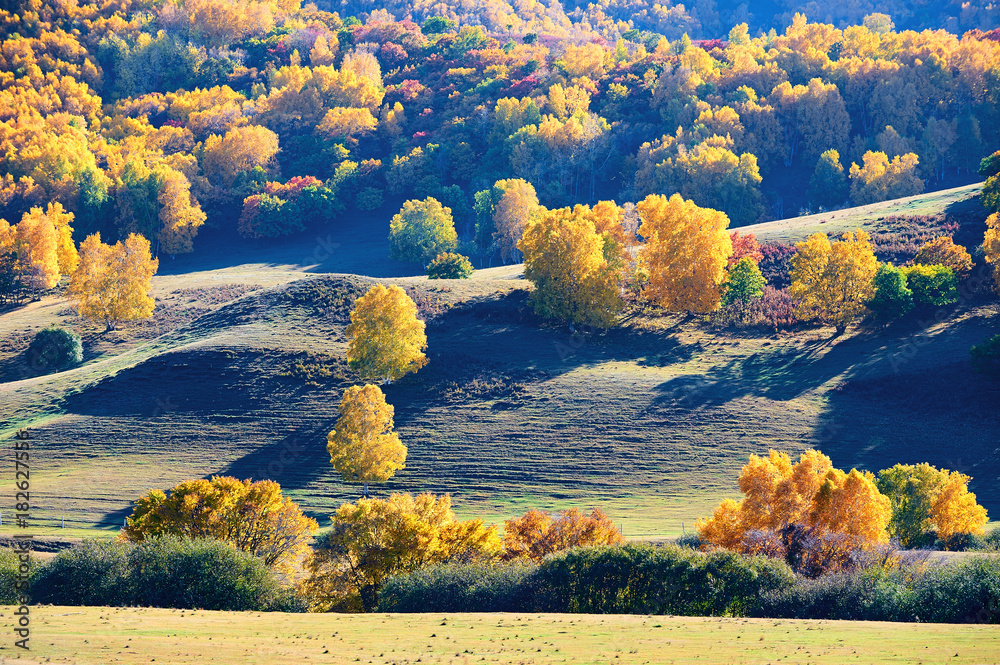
362,446
686,252
833,281
385,339
564,260
113,284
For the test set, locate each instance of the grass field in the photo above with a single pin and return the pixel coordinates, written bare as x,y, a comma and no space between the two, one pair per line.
101,636
650,421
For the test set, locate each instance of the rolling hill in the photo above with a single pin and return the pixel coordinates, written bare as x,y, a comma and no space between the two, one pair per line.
241,368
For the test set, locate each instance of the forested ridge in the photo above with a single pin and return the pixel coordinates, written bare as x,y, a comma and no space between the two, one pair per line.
157,118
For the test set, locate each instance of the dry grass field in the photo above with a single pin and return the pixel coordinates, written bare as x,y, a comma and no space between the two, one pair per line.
106,636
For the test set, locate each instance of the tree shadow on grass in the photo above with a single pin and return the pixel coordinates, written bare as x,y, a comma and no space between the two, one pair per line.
349,245
780,375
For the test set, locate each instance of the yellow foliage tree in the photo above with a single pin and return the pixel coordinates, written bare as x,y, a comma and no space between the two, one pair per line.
324,50
113,284
943,251
346,123
362,446
535,535
832,282
40,246
516,207
376,538
565,262
253,516
686,252
991,245
880,179
180,214
385,339
585,60
241,149
955,510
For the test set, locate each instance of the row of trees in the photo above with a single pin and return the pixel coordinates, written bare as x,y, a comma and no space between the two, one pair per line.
109,284
370,540
121,114
818,516
584,262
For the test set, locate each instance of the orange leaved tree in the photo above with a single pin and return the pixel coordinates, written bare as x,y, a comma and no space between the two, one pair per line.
537,534
809,512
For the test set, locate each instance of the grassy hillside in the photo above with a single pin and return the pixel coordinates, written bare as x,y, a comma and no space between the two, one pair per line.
240,370
92,635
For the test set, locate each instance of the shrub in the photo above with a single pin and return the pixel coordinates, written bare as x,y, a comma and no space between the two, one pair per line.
55,348
628,579
161,572
876,594
966,592
892,298
932,285
10,571
637,579
93,573
205,574
986,356
774,309
460,588
449,265
777,263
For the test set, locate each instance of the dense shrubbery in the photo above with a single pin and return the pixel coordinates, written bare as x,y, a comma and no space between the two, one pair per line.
162,572
473,587
932,285
55,348
967,592
10,564
634,579
449,265
777,263
986,356
627,579
774,309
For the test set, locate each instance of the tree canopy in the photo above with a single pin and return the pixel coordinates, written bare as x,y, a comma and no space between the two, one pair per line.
362,446
385,339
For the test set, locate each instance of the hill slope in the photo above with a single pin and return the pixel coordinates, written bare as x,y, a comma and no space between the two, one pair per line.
241,370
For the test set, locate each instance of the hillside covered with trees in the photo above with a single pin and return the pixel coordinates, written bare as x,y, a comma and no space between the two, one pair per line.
260,119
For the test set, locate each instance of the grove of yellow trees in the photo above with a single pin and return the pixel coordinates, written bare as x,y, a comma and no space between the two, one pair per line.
833,281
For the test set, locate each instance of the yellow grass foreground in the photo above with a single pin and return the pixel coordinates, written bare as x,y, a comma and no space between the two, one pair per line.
101,636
